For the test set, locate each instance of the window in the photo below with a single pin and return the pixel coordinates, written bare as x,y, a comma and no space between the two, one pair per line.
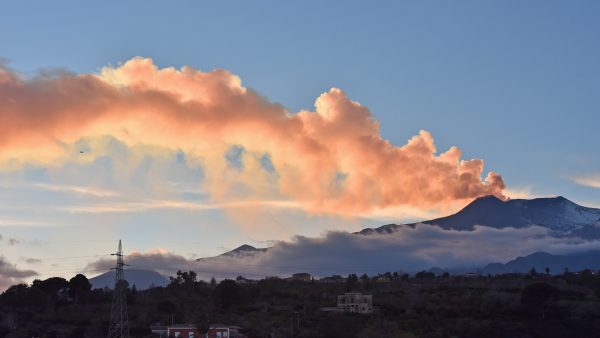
177,334
191,335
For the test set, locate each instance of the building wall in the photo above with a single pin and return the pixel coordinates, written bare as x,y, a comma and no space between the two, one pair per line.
184,332
218,333
355,302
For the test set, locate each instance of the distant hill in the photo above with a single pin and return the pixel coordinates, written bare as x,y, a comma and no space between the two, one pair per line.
142,279
241,251
541,260
556,213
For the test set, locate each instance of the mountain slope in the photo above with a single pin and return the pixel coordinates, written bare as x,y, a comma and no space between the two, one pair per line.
242,251
541,260
556,213
142,279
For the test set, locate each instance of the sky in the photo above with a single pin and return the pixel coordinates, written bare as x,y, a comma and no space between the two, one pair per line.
315,114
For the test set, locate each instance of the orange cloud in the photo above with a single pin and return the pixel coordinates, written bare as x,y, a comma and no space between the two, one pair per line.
332,160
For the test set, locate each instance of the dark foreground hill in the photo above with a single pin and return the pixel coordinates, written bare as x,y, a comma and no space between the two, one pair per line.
419,306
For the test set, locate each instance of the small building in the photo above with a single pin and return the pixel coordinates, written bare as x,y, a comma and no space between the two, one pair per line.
183,331
472,274
382,279
355,302
160,330
224,331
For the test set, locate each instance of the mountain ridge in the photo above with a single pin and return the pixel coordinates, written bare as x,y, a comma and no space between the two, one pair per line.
142,279
555,213
242,251
541,260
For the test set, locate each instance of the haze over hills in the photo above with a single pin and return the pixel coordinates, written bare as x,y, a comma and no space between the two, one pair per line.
556,213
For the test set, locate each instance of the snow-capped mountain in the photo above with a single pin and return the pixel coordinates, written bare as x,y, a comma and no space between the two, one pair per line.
242,251
556,213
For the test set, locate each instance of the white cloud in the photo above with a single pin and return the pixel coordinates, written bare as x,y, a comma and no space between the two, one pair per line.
588,180
16,222
524,192
76,189
174,204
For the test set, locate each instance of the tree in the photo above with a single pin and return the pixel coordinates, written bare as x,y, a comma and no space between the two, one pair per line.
77,332
366,281
351,282
186,278
229,293
17,295
537,294
51,286
79,287
203,323
425,275
166,307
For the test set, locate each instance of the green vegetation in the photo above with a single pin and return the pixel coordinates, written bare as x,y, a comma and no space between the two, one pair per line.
533,305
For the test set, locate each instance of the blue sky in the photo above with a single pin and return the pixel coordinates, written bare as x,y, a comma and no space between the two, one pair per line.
503,81
514,83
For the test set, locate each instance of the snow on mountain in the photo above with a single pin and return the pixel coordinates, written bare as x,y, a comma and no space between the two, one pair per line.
242,251
556,213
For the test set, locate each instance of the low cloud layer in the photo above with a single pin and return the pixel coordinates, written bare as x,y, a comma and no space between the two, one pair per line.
10,274
408,250
331,160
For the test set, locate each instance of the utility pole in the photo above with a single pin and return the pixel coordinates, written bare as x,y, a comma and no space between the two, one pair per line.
119,324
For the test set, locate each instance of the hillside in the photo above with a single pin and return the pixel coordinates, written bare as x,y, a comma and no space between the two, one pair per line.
541,260
142,279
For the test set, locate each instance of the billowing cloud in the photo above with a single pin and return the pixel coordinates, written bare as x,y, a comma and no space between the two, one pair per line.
10,274
589,180
408,249
330,160
158,260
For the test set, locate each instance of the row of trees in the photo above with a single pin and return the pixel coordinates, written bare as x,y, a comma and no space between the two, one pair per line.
421,305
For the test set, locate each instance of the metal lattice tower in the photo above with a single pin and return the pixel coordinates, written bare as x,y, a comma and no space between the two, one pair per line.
119,324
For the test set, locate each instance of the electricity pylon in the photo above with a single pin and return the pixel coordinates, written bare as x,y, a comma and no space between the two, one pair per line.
119,324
